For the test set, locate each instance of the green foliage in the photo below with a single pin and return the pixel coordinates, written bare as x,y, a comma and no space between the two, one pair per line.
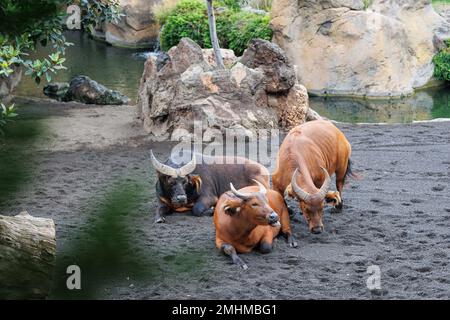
188,19
235,28
442,65
30,23
230,4
97,12
18,17
42,68
105,250
41,22
6,115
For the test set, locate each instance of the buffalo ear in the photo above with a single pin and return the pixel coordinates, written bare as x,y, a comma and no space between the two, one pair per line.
231,210
196,181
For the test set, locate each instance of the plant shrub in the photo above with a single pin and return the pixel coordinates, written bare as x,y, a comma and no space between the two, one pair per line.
187,19
235,28
442,65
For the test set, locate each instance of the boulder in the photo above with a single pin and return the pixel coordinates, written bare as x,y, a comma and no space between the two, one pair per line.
359,48
272,60
85,90
138,27
188,89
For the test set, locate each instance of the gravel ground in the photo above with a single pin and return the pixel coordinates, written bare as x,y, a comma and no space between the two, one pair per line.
397,217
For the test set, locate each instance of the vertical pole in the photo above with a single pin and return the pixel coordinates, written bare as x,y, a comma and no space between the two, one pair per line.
213,35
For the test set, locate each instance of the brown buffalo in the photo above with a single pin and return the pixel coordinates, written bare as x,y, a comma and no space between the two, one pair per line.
308,156
250,217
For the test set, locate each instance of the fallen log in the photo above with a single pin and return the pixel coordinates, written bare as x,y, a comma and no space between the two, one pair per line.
27,256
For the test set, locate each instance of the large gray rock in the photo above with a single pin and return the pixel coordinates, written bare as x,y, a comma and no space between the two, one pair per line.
85,90
345,47
189,89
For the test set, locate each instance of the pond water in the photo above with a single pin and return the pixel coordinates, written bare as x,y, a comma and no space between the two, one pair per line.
121,69
423,105
116,68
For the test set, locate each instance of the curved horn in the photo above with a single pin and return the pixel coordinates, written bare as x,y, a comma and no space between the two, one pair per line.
326,184
241,195
262,188
188,168
162,168
303,195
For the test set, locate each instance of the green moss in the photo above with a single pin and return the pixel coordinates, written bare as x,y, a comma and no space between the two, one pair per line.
235,28
367,4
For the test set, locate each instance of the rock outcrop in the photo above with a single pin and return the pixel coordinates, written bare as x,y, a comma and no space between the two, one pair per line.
85,90
259,91
356,47
138,27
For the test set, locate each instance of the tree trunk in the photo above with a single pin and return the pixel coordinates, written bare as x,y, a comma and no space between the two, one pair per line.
213,35
27,256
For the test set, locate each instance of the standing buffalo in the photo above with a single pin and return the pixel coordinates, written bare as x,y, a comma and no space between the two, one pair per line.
196,186
307,157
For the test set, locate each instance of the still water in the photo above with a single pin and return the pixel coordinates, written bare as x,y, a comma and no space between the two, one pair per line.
121,69
116,68
423,105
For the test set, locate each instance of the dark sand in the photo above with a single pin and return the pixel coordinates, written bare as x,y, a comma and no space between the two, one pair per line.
397,217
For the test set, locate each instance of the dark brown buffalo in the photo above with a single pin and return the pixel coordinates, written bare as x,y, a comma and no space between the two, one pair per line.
195,186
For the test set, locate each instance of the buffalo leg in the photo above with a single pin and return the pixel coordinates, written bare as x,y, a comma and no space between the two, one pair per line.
230,251
161,211
340,181
203,206
266,244
286,228
335,197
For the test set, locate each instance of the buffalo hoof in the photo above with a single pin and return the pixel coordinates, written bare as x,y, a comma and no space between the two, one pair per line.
292,242
241,263
160,220
334,198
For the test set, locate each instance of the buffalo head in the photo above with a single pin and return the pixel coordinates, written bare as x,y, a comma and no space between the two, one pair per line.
253,207
311,204
178,185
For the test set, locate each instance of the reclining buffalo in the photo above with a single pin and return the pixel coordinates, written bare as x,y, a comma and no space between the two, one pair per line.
248,218
197,185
